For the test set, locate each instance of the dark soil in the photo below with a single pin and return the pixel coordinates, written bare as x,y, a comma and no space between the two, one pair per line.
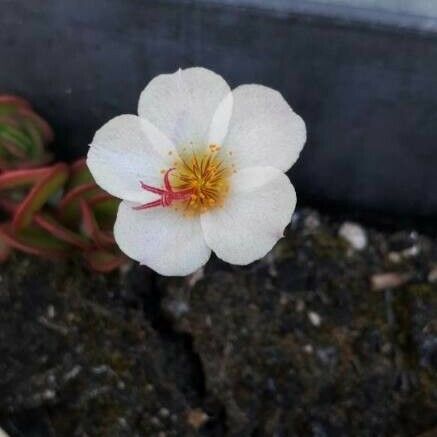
298,344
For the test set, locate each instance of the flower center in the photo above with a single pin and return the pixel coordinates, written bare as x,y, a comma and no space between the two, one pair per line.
206,176
199,182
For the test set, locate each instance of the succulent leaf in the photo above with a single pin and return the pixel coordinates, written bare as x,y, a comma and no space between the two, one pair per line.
24,135
53,211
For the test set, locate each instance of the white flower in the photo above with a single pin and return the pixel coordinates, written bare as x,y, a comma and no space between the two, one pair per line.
201,168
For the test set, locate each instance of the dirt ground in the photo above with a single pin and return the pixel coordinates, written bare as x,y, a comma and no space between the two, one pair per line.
317,339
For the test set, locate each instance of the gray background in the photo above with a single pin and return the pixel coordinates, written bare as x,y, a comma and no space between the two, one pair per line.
363,78
417,14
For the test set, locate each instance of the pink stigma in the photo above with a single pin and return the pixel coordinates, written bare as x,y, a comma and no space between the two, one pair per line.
167,195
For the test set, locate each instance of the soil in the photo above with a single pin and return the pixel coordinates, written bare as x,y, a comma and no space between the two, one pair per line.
309,341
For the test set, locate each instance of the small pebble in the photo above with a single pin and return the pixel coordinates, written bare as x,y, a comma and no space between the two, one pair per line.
327,355
126,268
300,305
122,422
386,348
382,281
163,412
284,299
395,257
51,379
410,252
197,418
72,373
314,318
354,234
155,422
195,277
177,308
312,222
432,276
48,395
51,312
308,349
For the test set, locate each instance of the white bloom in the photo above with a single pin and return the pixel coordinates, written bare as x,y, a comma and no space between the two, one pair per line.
201,168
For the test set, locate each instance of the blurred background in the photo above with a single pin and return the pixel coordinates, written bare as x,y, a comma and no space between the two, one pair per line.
360,72
334,333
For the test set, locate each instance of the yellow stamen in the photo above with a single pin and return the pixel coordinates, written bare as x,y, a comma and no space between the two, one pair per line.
207,175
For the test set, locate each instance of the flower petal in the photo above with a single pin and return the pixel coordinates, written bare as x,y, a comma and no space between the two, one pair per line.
220,121
125,151
264,130
182,104
254,216
162,239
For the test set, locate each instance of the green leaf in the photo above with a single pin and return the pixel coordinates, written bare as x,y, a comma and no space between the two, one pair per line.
49,224
39,195
103,261
34,241
18,137
105,209
5,250
80,174
69,206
